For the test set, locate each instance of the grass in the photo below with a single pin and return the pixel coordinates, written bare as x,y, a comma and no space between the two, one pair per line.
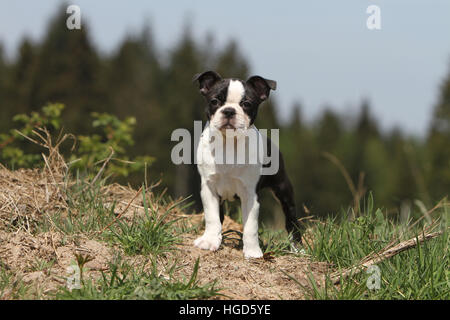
11,285
42,264
124,281
277,243
152,233
87,212
421,272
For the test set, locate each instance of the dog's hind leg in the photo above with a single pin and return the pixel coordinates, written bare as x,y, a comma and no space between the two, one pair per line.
285,193
283,190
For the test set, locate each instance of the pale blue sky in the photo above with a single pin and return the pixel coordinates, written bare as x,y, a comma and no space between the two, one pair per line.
320,52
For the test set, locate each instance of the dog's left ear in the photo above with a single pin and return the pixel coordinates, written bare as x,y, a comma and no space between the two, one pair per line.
262,86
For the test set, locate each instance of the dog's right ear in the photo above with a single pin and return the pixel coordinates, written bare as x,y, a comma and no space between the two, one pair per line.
206,80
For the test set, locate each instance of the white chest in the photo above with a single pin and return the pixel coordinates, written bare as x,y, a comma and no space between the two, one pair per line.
226,180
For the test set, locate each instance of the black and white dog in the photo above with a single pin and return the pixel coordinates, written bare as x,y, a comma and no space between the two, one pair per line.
232,105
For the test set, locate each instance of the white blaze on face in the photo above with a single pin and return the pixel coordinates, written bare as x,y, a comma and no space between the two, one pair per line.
235,94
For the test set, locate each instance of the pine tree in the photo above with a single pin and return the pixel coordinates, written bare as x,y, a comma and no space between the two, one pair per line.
328,190
295,124
366,130
231,64
69,71
329,130
438,143
182,105
400,184
133,80
23,72
5,109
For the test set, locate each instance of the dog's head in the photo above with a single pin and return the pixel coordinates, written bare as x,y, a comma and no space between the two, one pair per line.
233,103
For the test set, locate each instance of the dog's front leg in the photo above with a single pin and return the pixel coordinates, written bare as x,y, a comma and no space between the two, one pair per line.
250,213
212,237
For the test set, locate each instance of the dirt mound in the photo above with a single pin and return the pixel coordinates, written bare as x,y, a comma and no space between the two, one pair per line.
252,279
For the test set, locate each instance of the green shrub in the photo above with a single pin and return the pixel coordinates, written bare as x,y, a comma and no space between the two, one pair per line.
111,143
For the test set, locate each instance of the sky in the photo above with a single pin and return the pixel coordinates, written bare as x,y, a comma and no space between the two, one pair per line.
321,53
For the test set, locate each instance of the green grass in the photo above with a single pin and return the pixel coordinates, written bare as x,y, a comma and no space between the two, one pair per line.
87,212
11,285
422,272
123,282
277,243
148,234
42,264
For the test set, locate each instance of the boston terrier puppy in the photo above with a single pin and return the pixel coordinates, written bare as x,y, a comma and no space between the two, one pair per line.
232,106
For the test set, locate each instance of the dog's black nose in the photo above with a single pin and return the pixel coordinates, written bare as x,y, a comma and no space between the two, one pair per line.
229,112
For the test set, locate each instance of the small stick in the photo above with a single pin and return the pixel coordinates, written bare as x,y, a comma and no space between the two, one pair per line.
383,255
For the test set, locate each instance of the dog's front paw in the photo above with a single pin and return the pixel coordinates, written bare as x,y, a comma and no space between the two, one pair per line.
208,242
252,252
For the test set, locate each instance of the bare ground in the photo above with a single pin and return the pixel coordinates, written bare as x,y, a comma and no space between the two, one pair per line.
256,278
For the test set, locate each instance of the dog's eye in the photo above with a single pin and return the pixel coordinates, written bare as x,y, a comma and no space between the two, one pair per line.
246,104
214,102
